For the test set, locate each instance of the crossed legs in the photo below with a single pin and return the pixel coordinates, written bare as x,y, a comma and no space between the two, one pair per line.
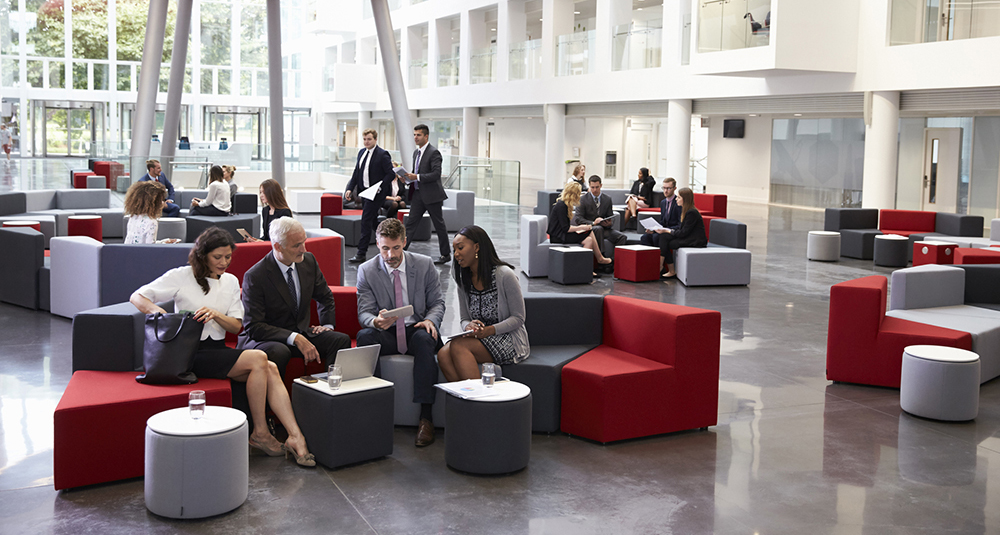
460,359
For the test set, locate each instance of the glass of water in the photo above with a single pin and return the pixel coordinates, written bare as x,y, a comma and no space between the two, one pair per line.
196,403
334,376
488,371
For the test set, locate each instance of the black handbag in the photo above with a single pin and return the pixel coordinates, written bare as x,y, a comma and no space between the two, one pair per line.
168,355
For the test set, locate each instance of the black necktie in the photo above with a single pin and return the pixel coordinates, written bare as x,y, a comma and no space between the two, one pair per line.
362,167
291,290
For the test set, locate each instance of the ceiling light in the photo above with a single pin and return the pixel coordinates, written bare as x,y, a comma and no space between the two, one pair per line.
640,9
539,20
576,12
493,29
753,115
797,114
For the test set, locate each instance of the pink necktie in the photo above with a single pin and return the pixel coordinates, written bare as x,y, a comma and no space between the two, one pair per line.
400,326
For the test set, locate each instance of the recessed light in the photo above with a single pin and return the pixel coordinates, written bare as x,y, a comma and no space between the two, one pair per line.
539,20
493,29
797,114
576,12
753,115
639,9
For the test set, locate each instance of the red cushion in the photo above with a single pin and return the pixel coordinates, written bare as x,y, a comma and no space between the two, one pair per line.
326,249
707,220
85,226
103,409
906,222
713,204
637,265
987,255
352,212
656,210
80,179
330,204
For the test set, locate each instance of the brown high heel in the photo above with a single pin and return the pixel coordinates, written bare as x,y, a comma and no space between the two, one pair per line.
308,460
269,451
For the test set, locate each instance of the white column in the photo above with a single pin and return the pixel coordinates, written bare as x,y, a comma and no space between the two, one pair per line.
175,89
433,52
470,132
878,189
610,13
149,80
276,99
503,40
557,19
364,122
679,142
394,82
555,139
465,46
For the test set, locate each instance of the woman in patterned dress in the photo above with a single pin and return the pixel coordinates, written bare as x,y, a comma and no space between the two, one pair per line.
491,309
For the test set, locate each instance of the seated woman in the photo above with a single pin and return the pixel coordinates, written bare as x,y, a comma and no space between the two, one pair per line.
641,194
691,233
396,198
273,206
560,230
214,295
217,202
228,171
144,204
578,173
490,307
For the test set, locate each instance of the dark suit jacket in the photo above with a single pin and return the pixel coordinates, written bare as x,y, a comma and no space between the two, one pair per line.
431,190
674,220
423,289
269,315
380,168
691,232
588,212
162,179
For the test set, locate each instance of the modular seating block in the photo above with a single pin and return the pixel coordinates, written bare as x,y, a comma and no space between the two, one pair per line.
85,225
711,204
985,255
535,245
423,231
348,226
330,204
80,179
657,371
21,267
713,266
933,252
196,224
571,265
346,428
99,407
398,369
906,222
823,245
96,182
858,243
890,250
637,263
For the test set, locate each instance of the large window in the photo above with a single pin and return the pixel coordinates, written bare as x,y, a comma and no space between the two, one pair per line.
926,21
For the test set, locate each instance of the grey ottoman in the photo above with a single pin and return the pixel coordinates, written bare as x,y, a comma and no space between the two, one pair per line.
941,383
398,369
858,243
489,435
196,224
96,182
571,265
345,426
823,245
349,226
196,468
890,250
423,232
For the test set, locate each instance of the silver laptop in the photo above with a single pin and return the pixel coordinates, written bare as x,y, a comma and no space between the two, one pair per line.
358,362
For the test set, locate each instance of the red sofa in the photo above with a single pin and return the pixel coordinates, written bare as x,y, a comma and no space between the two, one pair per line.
864,346
986,255
906,222
656,371
711,204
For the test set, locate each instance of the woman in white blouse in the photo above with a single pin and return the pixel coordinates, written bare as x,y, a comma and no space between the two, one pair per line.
217,202
144,205
204,288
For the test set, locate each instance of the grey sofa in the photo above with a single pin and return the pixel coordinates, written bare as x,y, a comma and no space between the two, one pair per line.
725,261
52,209
535,245
24,268
858,228
459,209
244,203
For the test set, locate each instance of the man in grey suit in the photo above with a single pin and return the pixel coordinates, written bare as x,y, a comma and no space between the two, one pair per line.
595,209
395,279
428,193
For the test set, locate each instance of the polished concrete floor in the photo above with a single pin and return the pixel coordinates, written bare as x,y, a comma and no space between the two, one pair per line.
792,453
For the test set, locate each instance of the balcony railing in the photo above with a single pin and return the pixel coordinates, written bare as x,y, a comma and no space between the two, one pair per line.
637,47
574,53
733,24
925,22
526,60
483,67
418,74
447,71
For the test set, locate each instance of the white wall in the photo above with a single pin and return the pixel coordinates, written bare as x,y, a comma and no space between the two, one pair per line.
523,140
741,168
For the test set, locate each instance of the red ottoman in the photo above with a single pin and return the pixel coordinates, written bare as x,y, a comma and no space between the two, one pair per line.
100,424
933,252
330,204
85,225
111,171
986,255
80,179
24,224
637,263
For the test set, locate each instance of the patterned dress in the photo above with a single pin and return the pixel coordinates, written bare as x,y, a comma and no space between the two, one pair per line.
483,306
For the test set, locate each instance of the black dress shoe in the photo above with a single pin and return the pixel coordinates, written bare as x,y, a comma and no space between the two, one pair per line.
425,433
356,259
444,259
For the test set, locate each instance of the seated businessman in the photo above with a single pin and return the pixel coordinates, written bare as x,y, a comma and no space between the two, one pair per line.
393,279
670,215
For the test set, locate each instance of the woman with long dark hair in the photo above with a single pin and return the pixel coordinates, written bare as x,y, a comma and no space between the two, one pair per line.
691,233
203,286
273,206
641,194
218,201
491,308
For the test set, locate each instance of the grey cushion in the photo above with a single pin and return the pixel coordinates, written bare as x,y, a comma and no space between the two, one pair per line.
41,199
185,196
196,224
713,266
858,243
728,233
535,245
243,203
930,285
348,226
13,203
75,274
959,224
71,199
398,369
544,202
422,232
848,218
570,265
542,373
47,222
23,258
982,323
563,319
97,182
125,268
109,338
459,209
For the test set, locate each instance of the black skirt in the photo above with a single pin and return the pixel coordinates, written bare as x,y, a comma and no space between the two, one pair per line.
214,360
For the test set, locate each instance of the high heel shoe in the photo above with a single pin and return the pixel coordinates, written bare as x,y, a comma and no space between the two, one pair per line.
271,452
308,460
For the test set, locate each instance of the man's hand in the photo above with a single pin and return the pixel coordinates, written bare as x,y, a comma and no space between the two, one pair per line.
307,348
347,195
411,177
169,201
382,322
663,231
598,221
428,326
316,329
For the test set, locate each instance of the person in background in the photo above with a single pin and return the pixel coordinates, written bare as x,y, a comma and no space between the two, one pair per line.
491,309
144,204
273,206
5,140
228,171
204,287
396,199
155,172
374,167
578,173
217,202
690,233
595,210
561,231
641,194
427,192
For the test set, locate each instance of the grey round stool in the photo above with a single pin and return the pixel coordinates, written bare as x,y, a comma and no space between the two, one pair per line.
196,468
171,227
941,383
489,435
823,245
890,250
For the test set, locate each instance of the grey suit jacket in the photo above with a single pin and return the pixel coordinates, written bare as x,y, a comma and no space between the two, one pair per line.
587,212
431,190
423,289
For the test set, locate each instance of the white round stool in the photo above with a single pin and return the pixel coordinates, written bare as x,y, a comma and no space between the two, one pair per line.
941,383
823,245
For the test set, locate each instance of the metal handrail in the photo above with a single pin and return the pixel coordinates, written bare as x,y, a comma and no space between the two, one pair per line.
450,180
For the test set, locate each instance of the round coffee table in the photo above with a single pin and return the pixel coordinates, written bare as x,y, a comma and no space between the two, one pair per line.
823,245
489,435
23,223
890,250
196,468
941,383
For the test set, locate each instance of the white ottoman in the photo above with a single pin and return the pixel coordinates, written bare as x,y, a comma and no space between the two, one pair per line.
196,468
941,383
823,245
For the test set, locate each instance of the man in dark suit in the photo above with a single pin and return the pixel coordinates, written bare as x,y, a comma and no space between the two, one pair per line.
670,214
428,192
374,166
595,209
277,292
395,279
155,172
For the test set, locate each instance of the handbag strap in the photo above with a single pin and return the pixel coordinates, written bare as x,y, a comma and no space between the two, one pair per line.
156,328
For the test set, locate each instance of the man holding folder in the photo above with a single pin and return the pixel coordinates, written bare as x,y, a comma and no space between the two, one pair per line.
374,168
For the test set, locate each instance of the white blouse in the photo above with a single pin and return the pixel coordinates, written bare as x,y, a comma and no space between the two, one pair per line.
180,285
218,196
141,229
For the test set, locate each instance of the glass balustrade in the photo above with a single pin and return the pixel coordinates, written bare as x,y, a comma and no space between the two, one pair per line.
637,47
926,21
526,60
733,24
483,67
447,71
418,74
574,53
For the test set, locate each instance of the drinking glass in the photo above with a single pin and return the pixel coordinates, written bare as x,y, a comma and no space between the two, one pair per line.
196,403
334,376
489,374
